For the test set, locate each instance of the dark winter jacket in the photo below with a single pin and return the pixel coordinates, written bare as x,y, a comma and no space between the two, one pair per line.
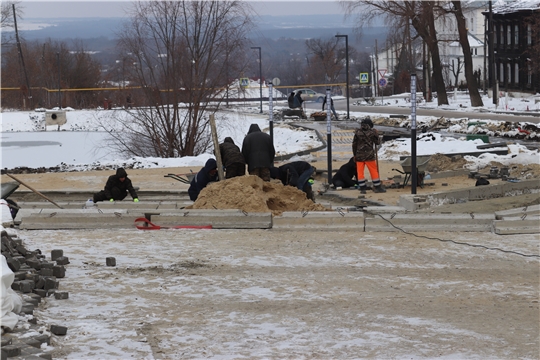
230,153
364,142
290,100
324,104
298,99
114,182
202,179
346,173
290,173
258,149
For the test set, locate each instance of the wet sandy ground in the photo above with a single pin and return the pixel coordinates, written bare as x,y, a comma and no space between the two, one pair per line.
301,295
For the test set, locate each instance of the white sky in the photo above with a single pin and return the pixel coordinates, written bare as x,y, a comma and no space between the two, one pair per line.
101,8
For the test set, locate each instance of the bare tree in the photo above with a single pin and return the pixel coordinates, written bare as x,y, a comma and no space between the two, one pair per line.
326,59
420,14
474,94
183,53
50,65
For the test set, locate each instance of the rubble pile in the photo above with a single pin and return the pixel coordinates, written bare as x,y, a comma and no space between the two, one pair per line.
34,278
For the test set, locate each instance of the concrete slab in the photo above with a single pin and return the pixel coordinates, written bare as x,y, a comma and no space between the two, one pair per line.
44,221
320,220
430,222
510,227
219,219
529,210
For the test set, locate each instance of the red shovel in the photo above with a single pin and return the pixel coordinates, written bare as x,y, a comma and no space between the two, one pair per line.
148,225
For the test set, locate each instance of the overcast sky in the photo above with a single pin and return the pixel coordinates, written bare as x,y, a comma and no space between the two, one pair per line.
58,9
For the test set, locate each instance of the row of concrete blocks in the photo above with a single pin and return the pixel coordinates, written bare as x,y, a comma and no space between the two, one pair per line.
377,219
506,189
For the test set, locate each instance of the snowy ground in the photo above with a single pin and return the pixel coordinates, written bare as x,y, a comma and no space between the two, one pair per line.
81,143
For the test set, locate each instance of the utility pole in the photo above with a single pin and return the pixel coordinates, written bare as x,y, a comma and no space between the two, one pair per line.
21,56
492,63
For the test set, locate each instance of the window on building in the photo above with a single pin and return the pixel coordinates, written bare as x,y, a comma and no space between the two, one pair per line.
516,73
501,72
516,35
508,35
509,73
495,34
529,74
529,34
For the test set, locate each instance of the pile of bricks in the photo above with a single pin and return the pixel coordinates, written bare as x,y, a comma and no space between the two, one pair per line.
35,278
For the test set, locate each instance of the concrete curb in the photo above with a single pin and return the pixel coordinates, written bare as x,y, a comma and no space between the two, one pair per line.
430,222
320,220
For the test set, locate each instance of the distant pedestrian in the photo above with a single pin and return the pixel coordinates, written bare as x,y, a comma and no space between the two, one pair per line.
343,178
331,107
206,175
364,145
232,159
258,150
116,188
298,99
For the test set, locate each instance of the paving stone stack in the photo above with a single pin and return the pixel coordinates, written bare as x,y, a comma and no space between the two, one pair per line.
35,278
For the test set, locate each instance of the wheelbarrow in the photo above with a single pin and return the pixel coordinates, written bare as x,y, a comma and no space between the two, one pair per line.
421,165
180,177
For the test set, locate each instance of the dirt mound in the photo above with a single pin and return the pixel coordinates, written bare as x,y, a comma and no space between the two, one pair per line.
252,194
441,162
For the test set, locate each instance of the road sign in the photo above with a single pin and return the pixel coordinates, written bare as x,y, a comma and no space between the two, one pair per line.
364,78
382,82
244,82
382,72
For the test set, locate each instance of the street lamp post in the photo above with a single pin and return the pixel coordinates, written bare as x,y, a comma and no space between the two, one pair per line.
346,67
260,73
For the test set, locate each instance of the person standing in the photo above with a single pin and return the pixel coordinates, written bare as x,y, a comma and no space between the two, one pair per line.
298,99
364,146
331,107
116,188
258,150
206,175
232,159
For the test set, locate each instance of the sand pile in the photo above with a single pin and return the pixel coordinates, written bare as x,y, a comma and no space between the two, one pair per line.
441,162
252,194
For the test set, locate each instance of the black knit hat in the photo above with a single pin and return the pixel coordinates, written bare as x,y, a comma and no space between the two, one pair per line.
368,121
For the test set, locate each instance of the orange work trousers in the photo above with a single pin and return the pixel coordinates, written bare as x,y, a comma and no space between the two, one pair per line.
372,167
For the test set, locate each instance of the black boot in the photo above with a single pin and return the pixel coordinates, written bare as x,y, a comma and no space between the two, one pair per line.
362,189
379,189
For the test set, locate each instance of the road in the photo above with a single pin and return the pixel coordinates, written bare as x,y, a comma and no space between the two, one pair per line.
341,105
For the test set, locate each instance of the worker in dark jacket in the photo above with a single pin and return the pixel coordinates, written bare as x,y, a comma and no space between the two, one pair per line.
116,188
206,175
258,150
343,178
364,145
297,174
232,159
331,107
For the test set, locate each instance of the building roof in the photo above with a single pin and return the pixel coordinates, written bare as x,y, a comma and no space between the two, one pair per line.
503,7
473,41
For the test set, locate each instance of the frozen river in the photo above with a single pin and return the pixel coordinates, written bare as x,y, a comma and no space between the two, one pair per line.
50,148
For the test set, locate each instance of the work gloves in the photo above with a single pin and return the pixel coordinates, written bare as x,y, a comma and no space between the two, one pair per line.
135,200
112,200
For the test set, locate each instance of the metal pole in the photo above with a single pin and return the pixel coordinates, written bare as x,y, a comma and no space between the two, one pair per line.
492,63
260,74
329,135
271,111
414,171
59,93
346,68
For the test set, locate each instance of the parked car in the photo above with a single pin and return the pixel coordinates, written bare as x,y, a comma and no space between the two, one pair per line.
310,95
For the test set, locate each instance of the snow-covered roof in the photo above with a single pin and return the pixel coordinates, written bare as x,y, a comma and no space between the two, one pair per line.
474,42
503,7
